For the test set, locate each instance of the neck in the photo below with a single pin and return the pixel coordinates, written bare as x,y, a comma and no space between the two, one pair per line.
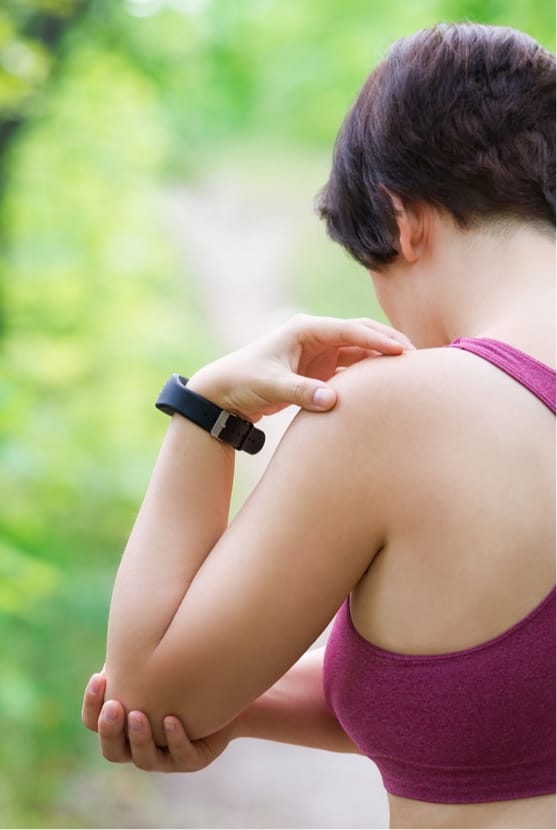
500,284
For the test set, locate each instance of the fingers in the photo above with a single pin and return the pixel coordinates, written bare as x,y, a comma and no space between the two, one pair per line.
109,720
389,331
93,700
112,735
380,332
350,354
320,346
186,756
302,391
144,752
292,365
362,332
180,755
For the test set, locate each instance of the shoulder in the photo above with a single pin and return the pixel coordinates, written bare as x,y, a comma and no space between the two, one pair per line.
389,398
424,372
389,378
387,408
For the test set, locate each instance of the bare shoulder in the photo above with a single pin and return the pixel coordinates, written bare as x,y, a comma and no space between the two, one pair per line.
396,395
429,389
413,405
384,405
388,378
359,449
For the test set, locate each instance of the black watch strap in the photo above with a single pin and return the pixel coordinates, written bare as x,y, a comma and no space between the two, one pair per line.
240,434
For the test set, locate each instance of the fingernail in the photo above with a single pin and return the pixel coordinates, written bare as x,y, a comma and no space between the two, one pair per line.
323,397
94,686
134,722
169,724
110,713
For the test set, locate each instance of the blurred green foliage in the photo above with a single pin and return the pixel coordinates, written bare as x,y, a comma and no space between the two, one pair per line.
103,105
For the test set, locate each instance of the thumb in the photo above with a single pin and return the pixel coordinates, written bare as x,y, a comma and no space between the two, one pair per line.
323,398
310,394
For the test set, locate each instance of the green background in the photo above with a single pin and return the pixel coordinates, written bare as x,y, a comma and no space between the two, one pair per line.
111,112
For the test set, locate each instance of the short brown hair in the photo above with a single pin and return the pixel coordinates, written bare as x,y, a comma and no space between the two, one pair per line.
459,116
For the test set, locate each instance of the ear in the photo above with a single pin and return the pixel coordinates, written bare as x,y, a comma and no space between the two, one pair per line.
411,228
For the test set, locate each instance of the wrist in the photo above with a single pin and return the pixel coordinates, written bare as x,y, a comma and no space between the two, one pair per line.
209,383
204,384
222,384
222,423
242,725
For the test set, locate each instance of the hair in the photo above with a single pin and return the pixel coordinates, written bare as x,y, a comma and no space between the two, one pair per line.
460,117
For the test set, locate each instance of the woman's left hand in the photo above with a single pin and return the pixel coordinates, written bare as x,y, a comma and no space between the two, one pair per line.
130,740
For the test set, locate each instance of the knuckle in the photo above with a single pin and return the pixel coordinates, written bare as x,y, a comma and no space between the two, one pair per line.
298,391
180,762
106,733
138,740
299,320
109,754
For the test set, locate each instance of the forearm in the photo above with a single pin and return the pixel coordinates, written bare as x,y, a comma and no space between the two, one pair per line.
184,513
294,711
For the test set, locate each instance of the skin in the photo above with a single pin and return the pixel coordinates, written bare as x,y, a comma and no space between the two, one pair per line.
418,566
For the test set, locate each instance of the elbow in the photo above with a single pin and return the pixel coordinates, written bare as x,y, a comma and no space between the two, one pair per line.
136,688
146,688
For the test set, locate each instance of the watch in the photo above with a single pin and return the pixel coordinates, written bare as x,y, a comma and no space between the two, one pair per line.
239,433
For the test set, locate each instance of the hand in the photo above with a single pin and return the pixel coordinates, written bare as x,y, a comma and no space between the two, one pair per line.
292,364
137,746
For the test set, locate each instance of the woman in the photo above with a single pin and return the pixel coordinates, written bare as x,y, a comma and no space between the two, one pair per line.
421,503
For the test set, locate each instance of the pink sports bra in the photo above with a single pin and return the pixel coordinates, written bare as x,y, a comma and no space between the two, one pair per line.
468,726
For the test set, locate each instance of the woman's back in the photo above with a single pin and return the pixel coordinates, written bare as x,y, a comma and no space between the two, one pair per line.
469,553
472,544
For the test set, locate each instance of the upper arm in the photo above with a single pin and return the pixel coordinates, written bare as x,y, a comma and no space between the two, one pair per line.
282,568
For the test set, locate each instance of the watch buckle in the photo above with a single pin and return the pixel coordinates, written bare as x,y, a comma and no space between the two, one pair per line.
220,424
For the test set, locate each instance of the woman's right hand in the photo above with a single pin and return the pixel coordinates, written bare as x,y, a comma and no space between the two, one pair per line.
130,740
293,364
